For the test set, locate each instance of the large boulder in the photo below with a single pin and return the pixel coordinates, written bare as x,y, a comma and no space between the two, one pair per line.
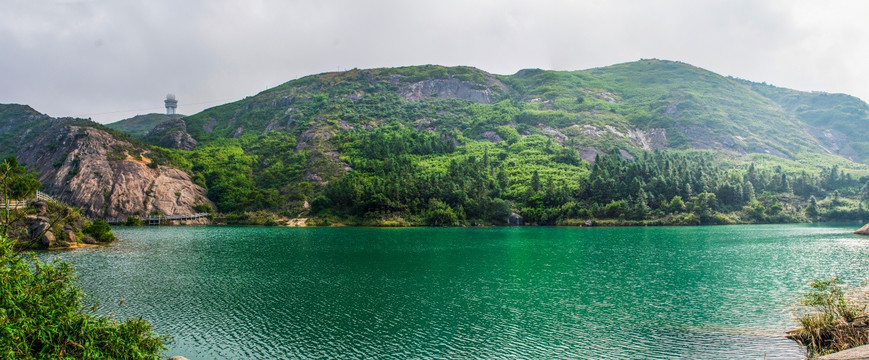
70,234
863,230
39,230
47,240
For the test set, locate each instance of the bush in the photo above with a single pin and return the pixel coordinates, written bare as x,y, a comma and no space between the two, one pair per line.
204,208
133,221
41,316
440,214
100,230
833,322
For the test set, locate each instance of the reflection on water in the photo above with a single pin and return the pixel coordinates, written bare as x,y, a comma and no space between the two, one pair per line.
612,293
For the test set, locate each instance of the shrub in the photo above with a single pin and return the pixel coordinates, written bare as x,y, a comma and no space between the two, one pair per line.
833,322
42,316
133,221
440,214
204,208
100,230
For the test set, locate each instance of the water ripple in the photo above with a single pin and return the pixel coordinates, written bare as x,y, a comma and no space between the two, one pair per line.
506,293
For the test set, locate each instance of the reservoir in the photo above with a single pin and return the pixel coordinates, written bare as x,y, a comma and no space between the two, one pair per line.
705,292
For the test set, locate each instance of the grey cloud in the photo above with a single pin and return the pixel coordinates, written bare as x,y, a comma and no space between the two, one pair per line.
100,58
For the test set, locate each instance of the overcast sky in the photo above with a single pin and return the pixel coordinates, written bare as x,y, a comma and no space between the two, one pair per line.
113,59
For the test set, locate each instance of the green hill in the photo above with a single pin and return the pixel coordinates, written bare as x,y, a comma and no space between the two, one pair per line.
446,145
140,125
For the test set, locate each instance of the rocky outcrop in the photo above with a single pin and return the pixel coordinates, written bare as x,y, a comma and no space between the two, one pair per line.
491,136
451,88
863,230
172,134
834,142
589,153
106,176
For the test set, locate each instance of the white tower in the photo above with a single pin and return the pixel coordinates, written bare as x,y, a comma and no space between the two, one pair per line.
171,104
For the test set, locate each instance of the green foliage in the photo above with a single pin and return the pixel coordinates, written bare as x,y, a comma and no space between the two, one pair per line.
133,221
42,316
440,214
203,208
17,182
100,231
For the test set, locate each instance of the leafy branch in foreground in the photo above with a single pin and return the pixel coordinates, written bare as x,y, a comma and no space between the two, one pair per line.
833,322
42,316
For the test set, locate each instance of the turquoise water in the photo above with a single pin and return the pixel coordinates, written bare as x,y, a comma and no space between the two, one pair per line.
530,292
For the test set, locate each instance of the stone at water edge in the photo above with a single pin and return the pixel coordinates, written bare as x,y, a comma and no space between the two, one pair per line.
857,353
514,219
70,233
177,358
863,230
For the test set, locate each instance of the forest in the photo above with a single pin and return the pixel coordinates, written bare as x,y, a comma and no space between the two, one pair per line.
403,177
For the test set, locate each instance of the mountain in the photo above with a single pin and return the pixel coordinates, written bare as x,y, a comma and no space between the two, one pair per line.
140,125
101,171
650,140
644,105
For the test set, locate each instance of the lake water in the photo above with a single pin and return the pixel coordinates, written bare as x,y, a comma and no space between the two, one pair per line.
519,293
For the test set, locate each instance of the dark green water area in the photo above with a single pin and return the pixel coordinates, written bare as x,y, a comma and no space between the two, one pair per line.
491,293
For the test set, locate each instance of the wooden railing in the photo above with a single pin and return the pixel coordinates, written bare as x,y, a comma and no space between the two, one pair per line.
157,220
18,204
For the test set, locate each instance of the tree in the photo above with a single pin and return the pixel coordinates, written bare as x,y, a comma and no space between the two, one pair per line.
100,230
535,181
676,205
812,209
440,214
864,192
15,184
703,205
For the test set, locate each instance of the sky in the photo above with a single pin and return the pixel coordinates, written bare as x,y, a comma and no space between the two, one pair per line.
113,59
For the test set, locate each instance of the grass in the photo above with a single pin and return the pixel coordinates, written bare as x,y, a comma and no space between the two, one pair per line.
831,322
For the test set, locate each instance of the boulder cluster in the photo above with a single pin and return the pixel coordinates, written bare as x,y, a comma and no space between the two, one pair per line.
39,226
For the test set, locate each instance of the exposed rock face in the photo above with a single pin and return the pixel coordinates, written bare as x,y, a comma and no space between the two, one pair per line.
553,133
172,134
863,230
491,136
655,138
589,153
835,142
107,177
451,88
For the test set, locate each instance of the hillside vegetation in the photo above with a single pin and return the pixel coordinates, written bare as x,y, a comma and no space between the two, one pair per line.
643,142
